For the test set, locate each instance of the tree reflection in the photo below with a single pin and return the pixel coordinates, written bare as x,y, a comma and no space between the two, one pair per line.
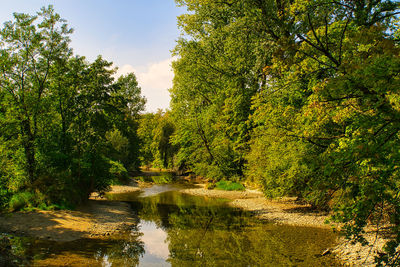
125,251
118,250
206,232
184,230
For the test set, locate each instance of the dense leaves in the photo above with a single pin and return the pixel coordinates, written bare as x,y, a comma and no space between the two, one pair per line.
301,97
66,127
155,131
214,82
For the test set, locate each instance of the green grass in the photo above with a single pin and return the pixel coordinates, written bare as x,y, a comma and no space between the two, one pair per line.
229,186
28,201
22,200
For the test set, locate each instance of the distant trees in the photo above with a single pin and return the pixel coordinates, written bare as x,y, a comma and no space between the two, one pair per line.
155,132
66,127
299,96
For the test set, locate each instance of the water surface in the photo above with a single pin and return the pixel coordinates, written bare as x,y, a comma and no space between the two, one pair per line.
176,229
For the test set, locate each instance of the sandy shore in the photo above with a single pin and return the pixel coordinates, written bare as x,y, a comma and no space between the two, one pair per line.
95,219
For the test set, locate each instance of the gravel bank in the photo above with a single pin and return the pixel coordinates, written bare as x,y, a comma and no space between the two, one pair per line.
358,255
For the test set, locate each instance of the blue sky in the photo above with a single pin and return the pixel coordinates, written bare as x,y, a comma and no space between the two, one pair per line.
137,35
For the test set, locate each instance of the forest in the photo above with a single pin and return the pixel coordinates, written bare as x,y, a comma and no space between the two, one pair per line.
299,98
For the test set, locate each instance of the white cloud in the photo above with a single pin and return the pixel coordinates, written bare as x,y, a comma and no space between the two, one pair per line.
125,69
155,79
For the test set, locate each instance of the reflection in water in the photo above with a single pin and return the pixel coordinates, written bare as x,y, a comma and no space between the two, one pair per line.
119,250
155,240
205,232
156,189
181,230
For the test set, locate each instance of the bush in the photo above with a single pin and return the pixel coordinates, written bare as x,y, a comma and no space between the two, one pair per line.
22,200
210,185
229,186
117,170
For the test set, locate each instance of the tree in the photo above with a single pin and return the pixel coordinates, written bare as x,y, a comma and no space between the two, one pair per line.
27,53
215,78
330,107
155,132
129,104
322,80
67,127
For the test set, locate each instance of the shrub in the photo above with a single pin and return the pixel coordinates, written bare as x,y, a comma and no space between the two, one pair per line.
22,200
229,186
210,185
117,170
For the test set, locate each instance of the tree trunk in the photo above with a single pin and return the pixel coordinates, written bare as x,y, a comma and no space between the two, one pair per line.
29,147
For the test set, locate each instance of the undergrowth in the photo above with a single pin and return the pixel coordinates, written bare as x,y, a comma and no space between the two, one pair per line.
229,186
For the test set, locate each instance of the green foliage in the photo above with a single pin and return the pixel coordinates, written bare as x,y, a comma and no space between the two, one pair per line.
299,96
155,131
28,49
272,154
215,79
210,185
118,170
229,186
28,201
12,174
118,142
22,200
162,178
67,128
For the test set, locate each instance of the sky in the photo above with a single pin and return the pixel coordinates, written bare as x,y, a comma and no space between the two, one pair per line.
137,35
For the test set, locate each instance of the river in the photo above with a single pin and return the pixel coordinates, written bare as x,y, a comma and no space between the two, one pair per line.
176,229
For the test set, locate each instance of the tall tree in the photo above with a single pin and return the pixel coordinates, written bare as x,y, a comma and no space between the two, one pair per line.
67,127
215,78
28,50
329,109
